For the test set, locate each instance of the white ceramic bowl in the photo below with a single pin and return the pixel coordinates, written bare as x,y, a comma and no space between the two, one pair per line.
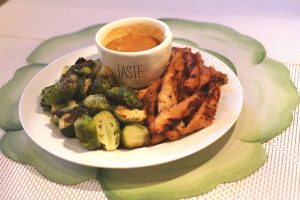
135,69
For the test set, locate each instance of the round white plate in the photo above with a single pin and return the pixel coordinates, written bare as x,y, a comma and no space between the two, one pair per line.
39,128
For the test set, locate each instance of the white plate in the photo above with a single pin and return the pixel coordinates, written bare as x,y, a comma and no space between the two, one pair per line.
39,128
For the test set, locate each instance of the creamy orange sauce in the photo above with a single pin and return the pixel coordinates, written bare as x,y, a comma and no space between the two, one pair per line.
132,43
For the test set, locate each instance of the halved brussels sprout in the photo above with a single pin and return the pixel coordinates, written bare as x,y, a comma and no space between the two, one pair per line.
130,115
108,130
134,136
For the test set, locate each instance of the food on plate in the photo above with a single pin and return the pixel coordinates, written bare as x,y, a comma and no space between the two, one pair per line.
86,132
86,103
127,115
134,136
124,95
184,100
108,130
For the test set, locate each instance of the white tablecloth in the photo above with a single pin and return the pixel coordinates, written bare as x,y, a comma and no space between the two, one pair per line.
25,24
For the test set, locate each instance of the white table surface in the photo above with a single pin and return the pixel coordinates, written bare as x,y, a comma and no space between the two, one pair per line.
24,24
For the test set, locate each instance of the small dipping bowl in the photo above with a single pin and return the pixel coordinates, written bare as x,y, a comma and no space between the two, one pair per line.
135,69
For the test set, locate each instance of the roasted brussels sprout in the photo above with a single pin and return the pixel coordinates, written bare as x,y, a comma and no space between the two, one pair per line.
124,95
98,66
96,102
68,85
86,132
82,68
134,136
108,130
63,109
106,72
129,115
99,85
50,95
66,122
83,86
66,125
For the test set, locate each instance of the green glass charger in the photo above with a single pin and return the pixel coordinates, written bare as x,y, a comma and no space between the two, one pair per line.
269,100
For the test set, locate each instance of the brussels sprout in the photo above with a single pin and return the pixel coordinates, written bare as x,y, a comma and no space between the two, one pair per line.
97,67
99,85
64,108
66,125
50,95
129,115
68,85
124,95
83,86
134,136
106,72
108,130
96,102
86,132
82,67
66,122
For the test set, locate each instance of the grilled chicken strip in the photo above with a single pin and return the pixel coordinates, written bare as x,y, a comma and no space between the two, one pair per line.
193,81
175,133
170,117
167,96
206,112
149,102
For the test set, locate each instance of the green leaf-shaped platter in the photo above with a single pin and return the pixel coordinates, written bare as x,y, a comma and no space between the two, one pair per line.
269,100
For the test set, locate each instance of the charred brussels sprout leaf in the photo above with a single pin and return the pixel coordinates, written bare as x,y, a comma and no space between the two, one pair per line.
86,132
83,85
82,68
80,60
66,125
66,122
108,130
69,107
68,85
124,95
83,71
99,85
98,66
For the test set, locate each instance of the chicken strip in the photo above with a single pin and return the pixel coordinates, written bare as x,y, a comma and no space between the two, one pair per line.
174,134
167,96
206,112
149,102
157,138
142,93
170,117
193,80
